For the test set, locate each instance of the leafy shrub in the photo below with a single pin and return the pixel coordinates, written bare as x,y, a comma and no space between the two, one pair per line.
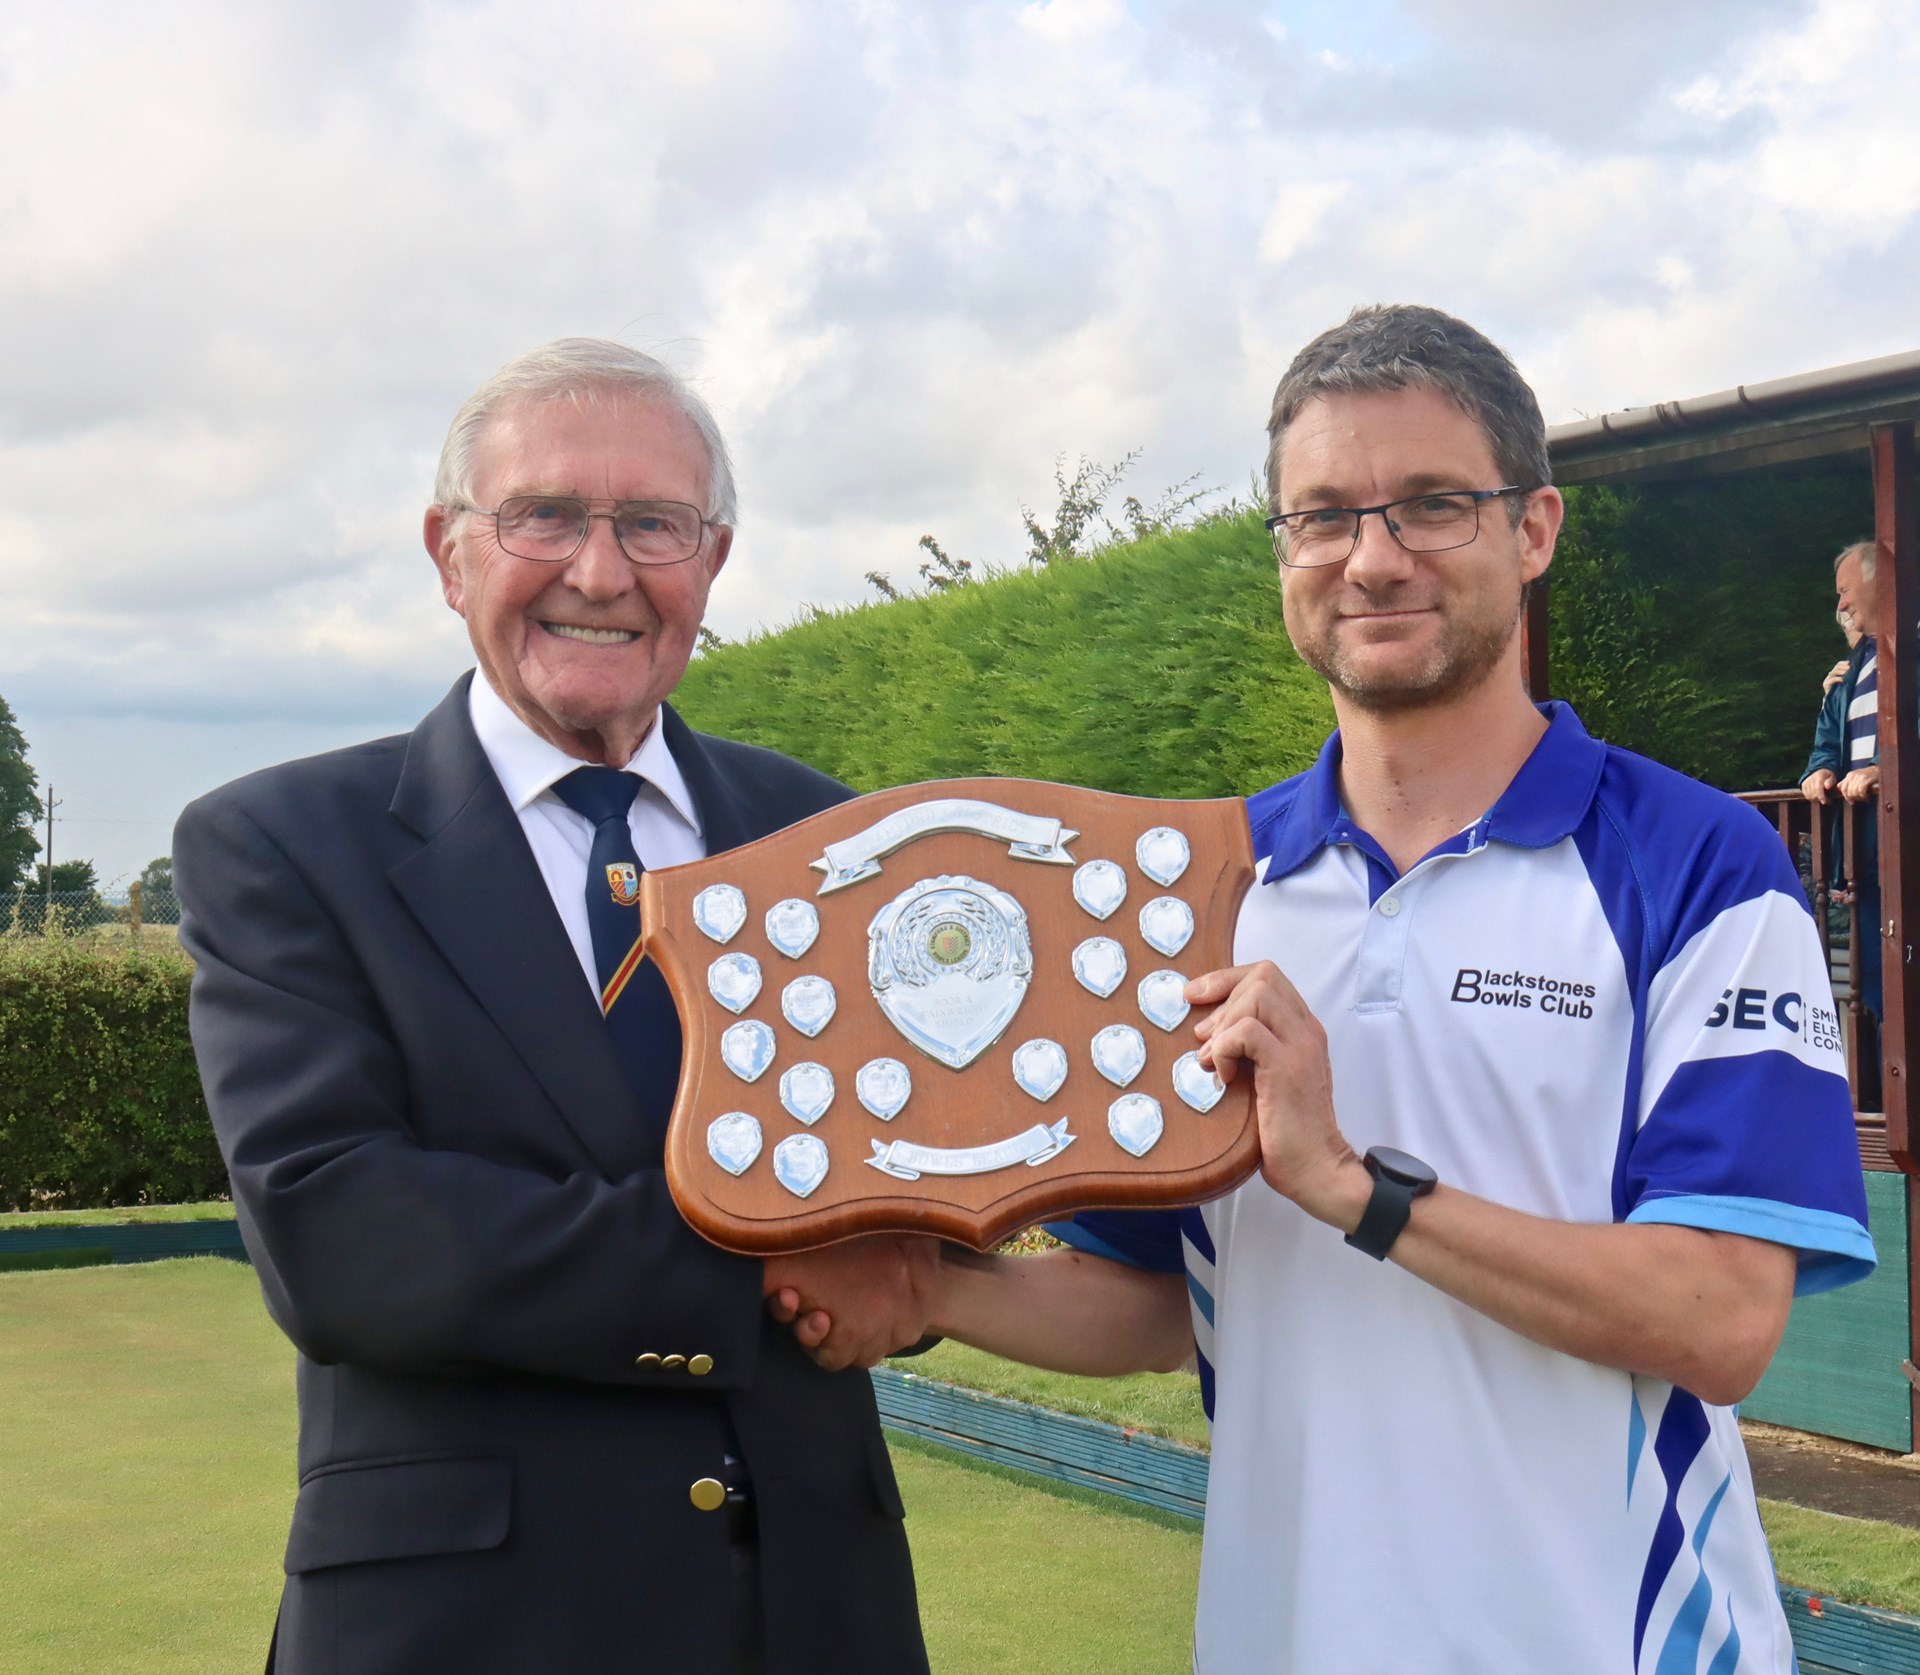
100,1102
1692,622
1157,667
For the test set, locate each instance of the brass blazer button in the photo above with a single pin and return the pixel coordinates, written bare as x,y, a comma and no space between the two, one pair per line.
700,1365
647,1360
709,1494
673,1363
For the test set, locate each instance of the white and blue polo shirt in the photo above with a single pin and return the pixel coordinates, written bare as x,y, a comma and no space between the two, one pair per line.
1605,1001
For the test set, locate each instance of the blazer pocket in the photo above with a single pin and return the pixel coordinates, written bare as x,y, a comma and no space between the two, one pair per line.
399,1509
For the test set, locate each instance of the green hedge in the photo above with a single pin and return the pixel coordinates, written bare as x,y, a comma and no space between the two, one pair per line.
1160,669
39,1261
1693,624
1690,623
100,1103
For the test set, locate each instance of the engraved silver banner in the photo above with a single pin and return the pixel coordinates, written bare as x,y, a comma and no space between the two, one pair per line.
905,1161
1029,837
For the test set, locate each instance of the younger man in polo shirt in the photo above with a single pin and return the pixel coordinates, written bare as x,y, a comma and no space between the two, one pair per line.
1572,1008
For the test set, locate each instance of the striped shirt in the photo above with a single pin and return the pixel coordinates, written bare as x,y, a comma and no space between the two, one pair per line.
1863,712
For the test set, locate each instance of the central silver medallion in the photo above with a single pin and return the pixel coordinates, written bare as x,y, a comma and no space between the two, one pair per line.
949,961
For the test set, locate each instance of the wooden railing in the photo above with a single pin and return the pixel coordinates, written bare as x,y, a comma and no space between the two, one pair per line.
1824,841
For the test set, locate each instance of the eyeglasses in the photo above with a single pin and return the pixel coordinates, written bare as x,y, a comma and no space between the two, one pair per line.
551,528
1421,523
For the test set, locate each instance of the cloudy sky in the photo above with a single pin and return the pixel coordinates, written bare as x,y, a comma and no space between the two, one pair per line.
252,256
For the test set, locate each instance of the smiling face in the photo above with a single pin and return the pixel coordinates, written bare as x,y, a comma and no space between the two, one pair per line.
1858,594
1390,629
585,651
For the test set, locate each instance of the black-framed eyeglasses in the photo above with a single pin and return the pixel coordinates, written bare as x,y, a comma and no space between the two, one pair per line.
551,528
1421,523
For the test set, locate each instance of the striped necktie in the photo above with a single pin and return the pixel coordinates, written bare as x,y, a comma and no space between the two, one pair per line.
633,995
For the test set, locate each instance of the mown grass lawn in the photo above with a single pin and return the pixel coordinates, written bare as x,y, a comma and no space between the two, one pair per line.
130,1215
146,1449
146,1459
1161,1404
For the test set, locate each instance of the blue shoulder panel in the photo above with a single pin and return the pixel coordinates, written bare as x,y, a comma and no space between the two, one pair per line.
1693,851
1147,1239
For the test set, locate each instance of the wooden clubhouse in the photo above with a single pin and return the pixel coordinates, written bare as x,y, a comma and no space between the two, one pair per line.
1847,1366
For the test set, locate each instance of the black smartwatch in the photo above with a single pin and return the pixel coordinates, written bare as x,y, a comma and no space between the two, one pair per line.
1398,1179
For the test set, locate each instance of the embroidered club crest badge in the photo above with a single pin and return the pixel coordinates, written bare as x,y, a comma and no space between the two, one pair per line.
623,883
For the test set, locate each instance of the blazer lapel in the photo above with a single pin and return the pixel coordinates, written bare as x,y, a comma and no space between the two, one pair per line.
725,820
478,893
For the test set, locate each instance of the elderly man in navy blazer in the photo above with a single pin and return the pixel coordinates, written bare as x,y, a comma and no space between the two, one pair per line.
543,1425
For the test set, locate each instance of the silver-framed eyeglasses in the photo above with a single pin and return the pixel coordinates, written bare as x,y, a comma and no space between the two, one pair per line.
1421,523
551,528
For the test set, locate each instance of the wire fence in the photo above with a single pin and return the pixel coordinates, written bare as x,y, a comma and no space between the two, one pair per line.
31,912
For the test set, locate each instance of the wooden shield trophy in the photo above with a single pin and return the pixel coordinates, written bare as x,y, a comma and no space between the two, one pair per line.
953,1008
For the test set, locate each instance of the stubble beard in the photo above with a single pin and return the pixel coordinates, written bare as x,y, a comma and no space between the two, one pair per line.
1466,655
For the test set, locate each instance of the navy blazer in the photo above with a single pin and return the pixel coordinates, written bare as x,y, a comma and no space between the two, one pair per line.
458,1214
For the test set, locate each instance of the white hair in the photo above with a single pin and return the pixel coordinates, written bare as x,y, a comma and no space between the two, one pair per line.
578,369
1865,551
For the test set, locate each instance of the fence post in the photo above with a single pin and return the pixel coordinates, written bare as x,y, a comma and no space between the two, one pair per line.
1897,540
133,910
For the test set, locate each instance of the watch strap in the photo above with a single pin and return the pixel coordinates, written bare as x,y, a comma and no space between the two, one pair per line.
1385,1217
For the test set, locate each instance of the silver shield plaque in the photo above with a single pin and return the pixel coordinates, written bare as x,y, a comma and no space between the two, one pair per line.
1199,1087
733,1141
1099,887
720,910
808,1004
883,1086
800,1163
807,1090
1040,1067
1163,854
792,926
1135,1122
1163,999
734,981
949,961
1100,965
1166,925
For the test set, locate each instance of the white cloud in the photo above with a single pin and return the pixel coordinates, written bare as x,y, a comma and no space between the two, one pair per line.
251,258
1297,218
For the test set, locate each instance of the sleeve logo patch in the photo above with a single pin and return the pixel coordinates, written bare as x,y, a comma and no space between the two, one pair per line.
1762,1009
1523,991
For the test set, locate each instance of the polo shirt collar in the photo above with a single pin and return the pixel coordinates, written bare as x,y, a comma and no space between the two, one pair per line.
1546,800
528,766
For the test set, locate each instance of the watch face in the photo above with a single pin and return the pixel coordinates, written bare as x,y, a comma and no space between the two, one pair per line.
1400,1166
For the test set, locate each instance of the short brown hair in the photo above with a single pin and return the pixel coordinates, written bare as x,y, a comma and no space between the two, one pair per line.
1393,346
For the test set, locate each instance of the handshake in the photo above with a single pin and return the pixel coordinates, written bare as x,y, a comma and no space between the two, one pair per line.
857,1302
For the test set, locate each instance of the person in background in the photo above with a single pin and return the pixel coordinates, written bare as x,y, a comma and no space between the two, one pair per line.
1846,757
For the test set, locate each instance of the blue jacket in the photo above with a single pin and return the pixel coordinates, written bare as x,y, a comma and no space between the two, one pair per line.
1830,731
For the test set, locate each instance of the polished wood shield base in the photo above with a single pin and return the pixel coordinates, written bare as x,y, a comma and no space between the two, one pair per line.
986,1156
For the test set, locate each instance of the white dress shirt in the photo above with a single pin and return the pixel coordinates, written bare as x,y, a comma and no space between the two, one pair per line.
664,822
